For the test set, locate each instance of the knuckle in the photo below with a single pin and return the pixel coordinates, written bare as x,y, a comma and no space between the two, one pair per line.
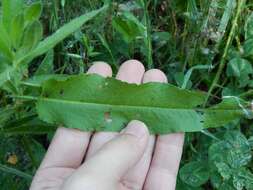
132,185
130,142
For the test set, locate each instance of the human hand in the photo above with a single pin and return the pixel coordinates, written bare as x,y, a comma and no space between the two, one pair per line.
130,160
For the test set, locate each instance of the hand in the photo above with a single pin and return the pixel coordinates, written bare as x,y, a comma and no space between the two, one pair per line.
130,160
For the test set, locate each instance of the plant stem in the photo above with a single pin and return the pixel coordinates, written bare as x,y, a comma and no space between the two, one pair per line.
148,36
224,56
246,94
31,98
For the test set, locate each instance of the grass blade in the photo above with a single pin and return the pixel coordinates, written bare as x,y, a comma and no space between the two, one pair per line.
60,35
14,171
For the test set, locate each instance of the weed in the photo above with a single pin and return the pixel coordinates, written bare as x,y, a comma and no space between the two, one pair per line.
200,45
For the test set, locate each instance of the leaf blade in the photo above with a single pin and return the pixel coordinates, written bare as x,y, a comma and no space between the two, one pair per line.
93,103
51,41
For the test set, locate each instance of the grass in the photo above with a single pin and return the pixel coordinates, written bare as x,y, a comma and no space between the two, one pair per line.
199,44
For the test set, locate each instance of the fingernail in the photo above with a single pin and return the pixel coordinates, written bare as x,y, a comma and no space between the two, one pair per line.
136,128
155,75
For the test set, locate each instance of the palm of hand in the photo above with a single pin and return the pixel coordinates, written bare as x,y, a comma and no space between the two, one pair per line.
143,164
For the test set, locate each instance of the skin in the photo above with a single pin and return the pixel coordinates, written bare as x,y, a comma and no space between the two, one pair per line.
130,160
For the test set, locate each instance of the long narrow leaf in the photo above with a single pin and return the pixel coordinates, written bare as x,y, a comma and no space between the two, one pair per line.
93,103
29,130
60,35
16,172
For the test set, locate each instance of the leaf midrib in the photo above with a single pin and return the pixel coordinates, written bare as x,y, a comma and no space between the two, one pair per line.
131,106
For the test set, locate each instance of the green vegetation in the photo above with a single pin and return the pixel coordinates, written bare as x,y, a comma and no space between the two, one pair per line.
201,45
112,103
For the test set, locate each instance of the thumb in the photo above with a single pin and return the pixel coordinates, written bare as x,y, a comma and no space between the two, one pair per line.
120,154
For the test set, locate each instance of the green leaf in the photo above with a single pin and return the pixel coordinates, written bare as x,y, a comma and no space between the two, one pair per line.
46,67
183,186
107,47
30,129
11,8
215,179
14,171
244,80
238,67
32,36
122,27
226,186
181,79
248,47
93,103
28,124
248,176
242,179
234,151
6,182
251,141
229,110
133,19
33,12
149,103
239,153
5,115
10,76
248,28
231,90
38,151
224,170
189,73
5,42
194,173
17,28
6,73
35,151
239,181
129,27
217,153
60,35
227,15
241,69
162,38
63,3
38,80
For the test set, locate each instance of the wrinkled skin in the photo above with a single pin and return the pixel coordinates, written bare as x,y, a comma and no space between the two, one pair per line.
130,160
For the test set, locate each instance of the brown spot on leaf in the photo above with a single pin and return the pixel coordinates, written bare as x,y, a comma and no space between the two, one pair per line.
107,117
61,92
46,95
12,159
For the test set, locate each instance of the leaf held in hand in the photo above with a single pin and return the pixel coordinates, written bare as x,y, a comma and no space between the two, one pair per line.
86,102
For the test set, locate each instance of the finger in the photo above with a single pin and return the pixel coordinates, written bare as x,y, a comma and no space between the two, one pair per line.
164,166
100,68
132,72
120,154
155,75
68,146
66,149
135,178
